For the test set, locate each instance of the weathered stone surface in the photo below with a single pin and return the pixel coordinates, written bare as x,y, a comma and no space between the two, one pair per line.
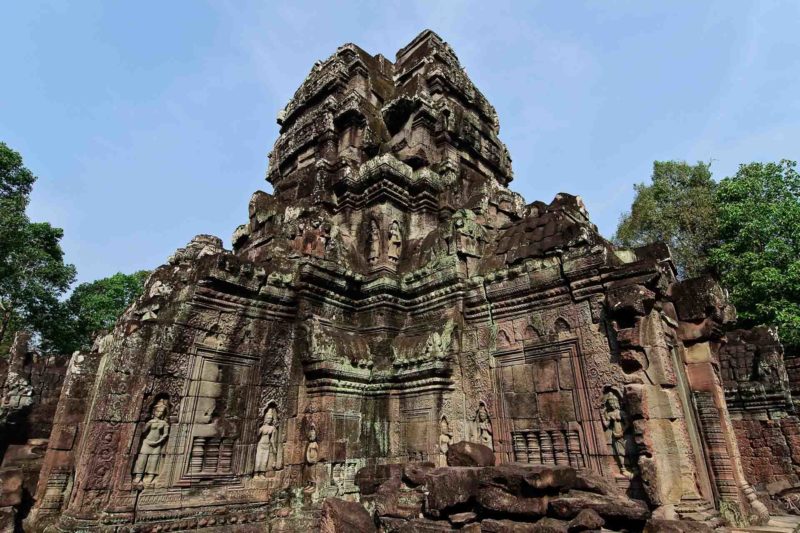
450,487
393,306
511,497
586,520
340,516
497,500
394,499
424,525
416,473
536,479
550,525
675,526
611,508
369,478
469,454
460,519
8,519
10,487
491,525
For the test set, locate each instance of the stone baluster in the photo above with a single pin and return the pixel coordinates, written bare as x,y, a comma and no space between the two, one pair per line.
534,452
196,461
574,449
520,450
547,448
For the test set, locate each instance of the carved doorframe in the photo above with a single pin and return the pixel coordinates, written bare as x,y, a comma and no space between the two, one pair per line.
555,349
180,473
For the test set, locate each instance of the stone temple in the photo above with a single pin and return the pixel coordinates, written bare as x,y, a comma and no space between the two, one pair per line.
392,308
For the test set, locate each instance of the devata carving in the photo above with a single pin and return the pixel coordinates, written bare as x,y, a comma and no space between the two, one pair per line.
268,455
395,242
482,427
438,344
154,436
374,242
445,440
393,296
616,422
312,448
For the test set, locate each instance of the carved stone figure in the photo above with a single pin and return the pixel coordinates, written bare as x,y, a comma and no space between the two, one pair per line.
389,282
338,478
437,344
395,242
374,241
268,448
616,422
312,448
154,437
315,238
445,440
482,427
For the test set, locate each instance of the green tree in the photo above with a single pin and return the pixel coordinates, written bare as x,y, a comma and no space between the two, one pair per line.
92,307
758,255
32,270
678,208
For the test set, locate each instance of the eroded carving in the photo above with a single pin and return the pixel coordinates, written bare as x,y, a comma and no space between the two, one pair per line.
269,455
617,424
154,436
395,242
312,447
482,427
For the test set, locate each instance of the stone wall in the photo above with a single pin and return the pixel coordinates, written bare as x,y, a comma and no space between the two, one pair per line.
759,397
393,297
30,387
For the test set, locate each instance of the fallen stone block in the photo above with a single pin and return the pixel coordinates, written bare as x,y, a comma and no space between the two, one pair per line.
469,454
587,520
340,516
676,526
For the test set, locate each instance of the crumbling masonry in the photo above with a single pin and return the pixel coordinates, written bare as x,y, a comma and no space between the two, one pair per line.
391,298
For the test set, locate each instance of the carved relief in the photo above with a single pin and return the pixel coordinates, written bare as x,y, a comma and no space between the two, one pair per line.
395,242
374,242
437,344
154,437
268,450
312,448
617,424
482,427
445,440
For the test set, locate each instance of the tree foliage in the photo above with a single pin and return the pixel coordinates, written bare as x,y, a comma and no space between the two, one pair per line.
758,255
746,230
93,307
678,208
32,270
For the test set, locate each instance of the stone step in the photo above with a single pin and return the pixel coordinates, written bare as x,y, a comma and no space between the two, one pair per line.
777,524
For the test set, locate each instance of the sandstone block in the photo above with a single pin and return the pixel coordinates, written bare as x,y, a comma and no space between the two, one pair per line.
340,516
675,526
611,508
587,520
469,454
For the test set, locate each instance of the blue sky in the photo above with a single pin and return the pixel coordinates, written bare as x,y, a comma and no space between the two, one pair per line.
150,122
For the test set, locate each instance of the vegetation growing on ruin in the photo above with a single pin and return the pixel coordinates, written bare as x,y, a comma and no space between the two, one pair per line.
744,229
678,208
